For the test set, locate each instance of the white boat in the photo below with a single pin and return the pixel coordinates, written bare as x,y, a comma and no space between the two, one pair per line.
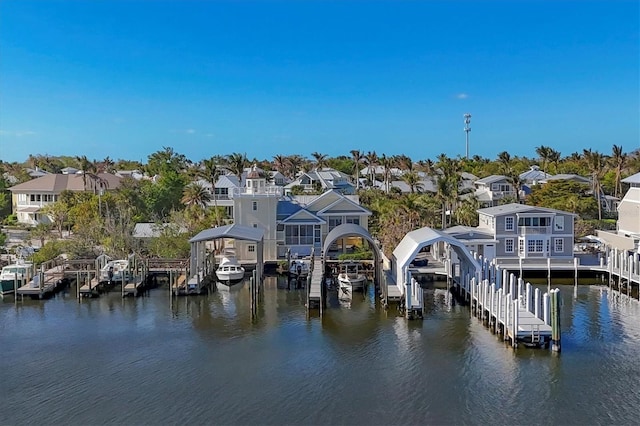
349,279
17,273
298,269
230,271
114,271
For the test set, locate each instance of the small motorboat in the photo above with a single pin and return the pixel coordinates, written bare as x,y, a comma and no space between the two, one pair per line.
349,279
115,271
298,269
230,271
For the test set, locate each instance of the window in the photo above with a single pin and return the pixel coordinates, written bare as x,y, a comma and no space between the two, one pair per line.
255,225
508,245
559,223
334,221
251,249
535,246
558,245
508,225
254,205
521,246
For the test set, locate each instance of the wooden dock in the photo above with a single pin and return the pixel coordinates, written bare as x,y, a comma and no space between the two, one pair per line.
44,284
316,282
134,287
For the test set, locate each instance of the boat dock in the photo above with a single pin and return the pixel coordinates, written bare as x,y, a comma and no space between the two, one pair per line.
316,284
44,283
512,308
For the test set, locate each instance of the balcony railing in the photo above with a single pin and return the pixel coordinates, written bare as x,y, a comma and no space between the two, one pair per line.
534,230
264,192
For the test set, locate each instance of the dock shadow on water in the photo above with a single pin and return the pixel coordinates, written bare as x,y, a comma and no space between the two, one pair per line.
206,359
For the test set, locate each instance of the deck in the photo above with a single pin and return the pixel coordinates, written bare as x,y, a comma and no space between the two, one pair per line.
44,284
315,289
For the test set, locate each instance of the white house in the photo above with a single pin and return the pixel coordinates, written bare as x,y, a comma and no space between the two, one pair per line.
295,223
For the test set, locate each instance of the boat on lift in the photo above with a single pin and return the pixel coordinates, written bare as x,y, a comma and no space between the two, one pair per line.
349,279
229,271
14,276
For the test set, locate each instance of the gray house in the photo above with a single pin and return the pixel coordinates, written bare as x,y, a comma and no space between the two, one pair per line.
528,232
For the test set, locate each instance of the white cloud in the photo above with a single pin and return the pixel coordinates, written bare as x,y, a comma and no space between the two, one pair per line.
209,135
190,131
462,96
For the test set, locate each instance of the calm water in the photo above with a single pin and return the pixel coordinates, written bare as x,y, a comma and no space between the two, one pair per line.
204,360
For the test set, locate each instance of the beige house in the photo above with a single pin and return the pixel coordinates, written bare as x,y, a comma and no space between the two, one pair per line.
298,224
28,198
627,236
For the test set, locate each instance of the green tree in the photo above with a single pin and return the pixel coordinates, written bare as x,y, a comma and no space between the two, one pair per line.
211,172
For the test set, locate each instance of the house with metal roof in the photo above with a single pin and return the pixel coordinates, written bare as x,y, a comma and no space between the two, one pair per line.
297,224
322,180
491,190
28,198
526,232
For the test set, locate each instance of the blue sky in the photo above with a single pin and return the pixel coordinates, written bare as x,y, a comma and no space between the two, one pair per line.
125,78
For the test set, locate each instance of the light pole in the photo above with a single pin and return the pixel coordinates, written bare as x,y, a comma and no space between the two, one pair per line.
467,129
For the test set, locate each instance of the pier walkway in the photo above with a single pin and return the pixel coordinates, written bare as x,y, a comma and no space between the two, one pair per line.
316,282
44,283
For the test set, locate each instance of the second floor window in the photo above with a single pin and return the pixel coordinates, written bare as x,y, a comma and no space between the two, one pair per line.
508,224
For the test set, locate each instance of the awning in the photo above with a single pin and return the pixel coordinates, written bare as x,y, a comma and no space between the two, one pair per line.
28,209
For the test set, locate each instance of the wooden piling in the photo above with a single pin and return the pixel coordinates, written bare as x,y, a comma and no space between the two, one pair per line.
555,320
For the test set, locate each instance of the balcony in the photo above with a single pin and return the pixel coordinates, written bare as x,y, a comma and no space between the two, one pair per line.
534,230
268,191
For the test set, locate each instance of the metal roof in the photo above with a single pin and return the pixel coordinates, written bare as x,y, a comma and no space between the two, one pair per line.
345,230
491,179
516,208
239,232
414,241
632,179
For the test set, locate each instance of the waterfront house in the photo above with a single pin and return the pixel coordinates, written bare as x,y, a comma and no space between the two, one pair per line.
28,198
512,232
627,235
607,202
298,224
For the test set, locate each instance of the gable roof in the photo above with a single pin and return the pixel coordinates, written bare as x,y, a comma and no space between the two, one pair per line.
342,206
57,183
235,230
491,179
569,176
303,217
635,179
517,208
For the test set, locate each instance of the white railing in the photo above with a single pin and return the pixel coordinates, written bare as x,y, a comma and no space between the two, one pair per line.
534,230
265,192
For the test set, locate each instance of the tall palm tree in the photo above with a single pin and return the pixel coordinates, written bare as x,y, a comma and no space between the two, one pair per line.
236,163
618,160
211,172
280,163
386,164
544,152
554,158
595,163
85,166
371,160
294,165
504,158
357,160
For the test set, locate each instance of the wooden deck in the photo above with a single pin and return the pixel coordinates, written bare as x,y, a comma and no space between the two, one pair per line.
315,289
43,284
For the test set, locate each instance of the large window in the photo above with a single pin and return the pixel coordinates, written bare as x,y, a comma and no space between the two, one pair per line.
534,221
508,245
508,223
299,235
334,221
535,246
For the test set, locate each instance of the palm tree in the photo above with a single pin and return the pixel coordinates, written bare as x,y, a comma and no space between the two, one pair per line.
195,194
544,152
386,164
280,163
618,160
320,160
554,157
236,163
371,160
211,172
412,179
294,164
504,158
595,163
357,160
85,167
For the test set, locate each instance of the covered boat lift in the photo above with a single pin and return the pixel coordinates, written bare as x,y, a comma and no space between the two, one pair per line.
200,265
406,252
